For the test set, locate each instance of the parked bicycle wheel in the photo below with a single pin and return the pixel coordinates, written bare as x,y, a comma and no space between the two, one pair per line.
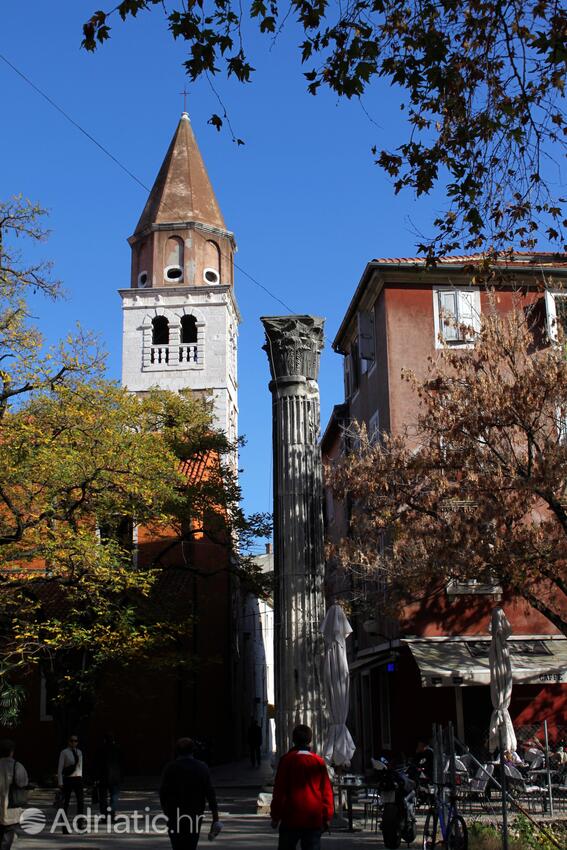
457,834
430,831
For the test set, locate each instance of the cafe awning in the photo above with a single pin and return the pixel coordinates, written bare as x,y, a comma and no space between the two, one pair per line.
464,661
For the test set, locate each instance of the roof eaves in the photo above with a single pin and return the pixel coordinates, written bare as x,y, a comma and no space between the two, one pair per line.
351,309
456,263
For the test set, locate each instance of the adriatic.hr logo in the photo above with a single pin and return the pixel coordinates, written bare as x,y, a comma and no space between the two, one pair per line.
33,821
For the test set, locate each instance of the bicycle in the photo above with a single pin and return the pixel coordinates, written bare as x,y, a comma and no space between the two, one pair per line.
443,815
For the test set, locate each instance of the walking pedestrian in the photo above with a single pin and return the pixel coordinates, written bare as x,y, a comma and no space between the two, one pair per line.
108,763
255,743
302,802
13,775
185,790
70,775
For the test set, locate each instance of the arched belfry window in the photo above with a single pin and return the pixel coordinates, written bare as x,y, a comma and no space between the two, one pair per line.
189,348
143,277
188,330
160,331
173,264
211,273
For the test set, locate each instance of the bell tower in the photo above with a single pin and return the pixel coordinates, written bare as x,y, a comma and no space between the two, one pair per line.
180,317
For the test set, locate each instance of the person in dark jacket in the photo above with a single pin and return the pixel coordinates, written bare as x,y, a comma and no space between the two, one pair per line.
108,763
255,743
302,802
185,790
12,773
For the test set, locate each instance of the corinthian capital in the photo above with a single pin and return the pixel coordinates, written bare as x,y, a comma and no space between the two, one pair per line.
293,345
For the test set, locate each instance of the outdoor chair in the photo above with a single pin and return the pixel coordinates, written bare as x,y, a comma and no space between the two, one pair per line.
462,777
371,802
523,790
513,774
535,760
559,797
479,788
467,760
461,768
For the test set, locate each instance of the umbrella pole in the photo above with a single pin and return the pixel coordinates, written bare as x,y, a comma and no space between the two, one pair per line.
503,793
452,763
549,791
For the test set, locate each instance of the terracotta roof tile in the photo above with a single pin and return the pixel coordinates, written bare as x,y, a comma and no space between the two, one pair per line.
194,468
518,258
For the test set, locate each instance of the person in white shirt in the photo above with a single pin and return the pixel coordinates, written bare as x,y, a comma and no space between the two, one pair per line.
70,775
11,773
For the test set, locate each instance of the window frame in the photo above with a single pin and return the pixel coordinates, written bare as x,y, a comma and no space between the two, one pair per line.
366,340
440,343
356,367
473,587
374,428
551,312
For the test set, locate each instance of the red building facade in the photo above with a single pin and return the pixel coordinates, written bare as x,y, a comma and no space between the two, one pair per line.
431,665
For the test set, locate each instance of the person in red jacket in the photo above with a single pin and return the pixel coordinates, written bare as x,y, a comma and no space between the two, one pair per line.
302,803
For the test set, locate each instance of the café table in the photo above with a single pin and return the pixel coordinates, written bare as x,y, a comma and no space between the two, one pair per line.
349,787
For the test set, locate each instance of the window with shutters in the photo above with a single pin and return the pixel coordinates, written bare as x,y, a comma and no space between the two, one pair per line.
374,428
457,316
348,382
354,367
556,311
561,423
366,345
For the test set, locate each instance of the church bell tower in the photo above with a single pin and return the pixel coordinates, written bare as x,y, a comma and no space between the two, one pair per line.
180,317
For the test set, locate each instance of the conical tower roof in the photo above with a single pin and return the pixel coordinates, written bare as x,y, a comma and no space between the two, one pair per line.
182,190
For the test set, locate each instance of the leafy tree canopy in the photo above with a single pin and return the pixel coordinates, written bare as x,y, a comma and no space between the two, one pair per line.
80,460
478,490
483,85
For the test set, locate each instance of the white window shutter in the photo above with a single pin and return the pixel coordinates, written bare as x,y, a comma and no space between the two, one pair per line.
448,317
467,314
366,335
551,315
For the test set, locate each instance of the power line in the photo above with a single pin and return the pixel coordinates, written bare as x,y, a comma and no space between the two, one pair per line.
121,165
139,182
73,122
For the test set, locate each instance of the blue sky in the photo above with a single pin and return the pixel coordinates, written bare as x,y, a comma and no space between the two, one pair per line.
308,206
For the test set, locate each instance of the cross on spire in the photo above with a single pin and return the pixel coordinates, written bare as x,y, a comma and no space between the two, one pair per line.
184,93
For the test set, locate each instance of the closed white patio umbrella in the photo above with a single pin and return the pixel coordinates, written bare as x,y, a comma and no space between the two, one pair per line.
335,628
500,684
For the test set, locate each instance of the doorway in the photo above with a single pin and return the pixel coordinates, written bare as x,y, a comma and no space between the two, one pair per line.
477,708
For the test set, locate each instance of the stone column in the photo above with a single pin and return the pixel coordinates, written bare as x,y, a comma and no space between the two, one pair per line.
293,345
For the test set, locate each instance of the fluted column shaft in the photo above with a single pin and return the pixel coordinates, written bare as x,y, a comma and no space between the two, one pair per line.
293,345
